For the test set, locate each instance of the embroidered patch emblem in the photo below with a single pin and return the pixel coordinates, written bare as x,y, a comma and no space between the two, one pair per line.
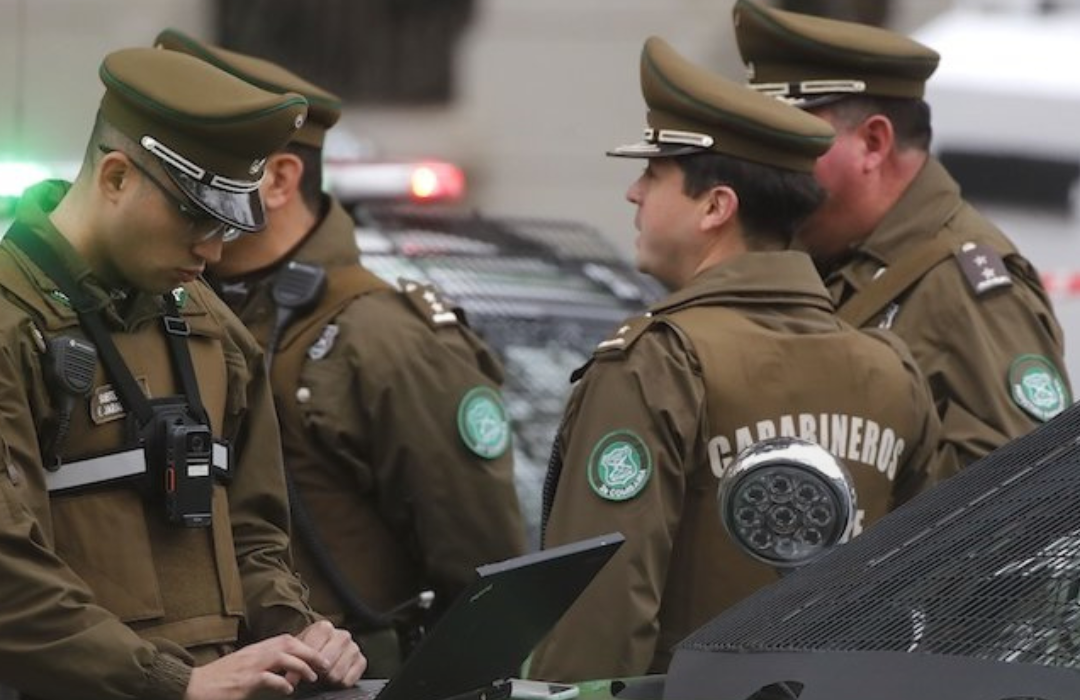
482,422
324,344
180,296
1037,387
620,466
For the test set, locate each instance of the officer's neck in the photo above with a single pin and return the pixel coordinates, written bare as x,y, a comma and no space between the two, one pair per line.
724,245
78,222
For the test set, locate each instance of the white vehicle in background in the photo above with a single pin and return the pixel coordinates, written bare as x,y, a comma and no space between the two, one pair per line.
1006,115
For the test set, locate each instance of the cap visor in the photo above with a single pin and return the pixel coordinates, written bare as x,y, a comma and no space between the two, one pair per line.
648,149
244,210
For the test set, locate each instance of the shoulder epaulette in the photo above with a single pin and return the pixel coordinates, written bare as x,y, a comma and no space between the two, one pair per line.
428,301
983,268
623,339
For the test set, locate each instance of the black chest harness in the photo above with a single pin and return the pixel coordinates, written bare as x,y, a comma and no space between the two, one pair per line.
174,451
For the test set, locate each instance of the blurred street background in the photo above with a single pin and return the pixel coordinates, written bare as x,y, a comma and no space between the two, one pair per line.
525,95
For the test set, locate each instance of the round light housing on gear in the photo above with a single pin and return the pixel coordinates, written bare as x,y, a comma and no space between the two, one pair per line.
785,501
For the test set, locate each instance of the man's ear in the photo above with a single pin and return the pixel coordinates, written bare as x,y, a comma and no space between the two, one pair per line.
281,180
879,140
113,175
720,204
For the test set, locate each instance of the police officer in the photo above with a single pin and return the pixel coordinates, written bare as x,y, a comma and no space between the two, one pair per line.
394,428
747,348
136,559
897,245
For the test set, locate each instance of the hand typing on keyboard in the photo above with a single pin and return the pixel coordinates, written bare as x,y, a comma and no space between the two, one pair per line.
345,662
278,664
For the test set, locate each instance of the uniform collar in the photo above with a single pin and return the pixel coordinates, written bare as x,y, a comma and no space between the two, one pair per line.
332,242
931,199
781,277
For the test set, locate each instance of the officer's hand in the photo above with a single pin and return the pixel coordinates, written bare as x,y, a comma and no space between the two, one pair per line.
270,668
336,646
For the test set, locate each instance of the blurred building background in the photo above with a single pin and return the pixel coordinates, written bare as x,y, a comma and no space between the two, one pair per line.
534,91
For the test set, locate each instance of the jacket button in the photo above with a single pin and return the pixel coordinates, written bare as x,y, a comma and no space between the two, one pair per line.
303,394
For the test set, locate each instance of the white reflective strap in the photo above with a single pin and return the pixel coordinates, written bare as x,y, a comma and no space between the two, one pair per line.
220,456
119,465
85,472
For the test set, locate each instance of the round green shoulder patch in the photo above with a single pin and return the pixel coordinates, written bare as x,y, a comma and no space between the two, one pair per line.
1037,387
482,422
620,466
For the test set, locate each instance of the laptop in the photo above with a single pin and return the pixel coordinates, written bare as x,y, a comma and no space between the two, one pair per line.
492,626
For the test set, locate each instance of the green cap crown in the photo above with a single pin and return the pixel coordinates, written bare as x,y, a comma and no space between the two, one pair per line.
807,59
694,110
210,131
217,122
324,108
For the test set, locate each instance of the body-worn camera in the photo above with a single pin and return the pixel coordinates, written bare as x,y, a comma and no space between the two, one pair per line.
179,454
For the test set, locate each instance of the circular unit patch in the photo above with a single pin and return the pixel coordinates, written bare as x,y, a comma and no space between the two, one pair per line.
1037,387
620,466
482,422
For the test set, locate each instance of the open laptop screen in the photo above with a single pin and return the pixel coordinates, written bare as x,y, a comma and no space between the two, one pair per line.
497,621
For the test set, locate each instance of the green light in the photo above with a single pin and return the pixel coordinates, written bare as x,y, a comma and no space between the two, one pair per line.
16,177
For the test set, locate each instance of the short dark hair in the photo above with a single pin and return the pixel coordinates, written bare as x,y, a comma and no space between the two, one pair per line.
105,134
311,183
910,117
773,202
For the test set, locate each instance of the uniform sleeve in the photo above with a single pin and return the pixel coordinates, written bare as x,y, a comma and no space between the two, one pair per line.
975,352
632,433
275,598
930,461
55,642
429,429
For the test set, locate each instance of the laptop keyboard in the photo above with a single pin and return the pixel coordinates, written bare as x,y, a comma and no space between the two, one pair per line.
364,690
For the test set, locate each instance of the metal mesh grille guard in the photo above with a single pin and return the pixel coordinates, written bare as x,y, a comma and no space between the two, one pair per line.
986,566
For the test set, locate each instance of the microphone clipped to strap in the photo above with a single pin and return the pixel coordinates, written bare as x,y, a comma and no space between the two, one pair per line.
297,288
69,373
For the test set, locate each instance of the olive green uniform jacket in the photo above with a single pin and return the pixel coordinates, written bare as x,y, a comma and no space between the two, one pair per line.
378,439
98,596
976,343
749,349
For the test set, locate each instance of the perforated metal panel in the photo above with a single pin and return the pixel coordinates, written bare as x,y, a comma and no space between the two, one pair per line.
542,293
984,568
